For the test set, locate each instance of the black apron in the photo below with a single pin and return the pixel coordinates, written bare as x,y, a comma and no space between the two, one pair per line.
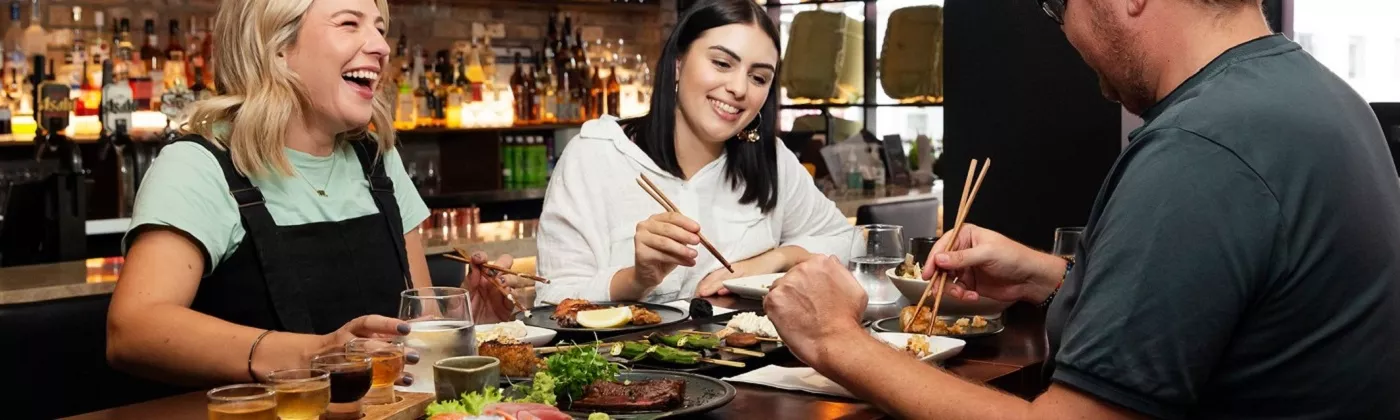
310,278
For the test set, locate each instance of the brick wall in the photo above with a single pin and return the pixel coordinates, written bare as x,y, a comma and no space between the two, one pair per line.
643,27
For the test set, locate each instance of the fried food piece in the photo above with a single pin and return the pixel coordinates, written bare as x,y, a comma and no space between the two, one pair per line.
517,359
644,316
979,322
917,346
741,340
920,324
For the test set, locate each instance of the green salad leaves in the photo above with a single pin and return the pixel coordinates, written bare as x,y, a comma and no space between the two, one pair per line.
576,368
540,391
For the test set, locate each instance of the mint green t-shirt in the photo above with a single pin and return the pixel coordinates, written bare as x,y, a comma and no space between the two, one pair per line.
185,189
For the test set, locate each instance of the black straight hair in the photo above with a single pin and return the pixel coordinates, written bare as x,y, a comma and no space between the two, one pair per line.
752,165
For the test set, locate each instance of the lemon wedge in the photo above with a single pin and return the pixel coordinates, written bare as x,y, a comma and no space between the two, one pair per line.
605,318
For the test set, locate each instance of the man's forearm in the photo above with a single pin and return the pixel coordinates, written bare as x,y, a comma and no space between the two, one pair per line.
908,388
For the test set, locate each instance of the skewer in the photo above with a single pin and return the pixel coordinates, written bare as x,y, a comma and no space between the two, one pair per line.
742,351
666,203
723,362
759,337
465,257
969,194
554,349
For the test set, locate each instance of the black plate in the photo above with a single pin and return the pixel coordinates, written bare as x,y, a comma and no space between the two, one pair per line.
702,394
994,326
539,317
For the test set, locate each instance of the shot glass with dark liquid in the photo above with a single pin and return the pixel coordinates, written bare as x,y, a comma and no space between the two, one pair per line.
243,402
351,375
302,394
388,360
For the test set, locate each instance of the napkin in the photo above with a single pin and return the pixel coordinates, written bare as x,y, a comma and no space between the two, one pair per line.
792,379
684,305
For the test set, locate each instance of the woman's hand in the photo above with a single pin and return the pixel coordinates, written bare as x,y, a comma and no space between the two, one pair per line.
663,242
488,304
773,261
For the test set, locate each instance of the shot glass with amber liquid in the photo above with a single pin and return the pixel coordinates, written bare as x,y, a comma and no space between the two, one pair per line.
387,358
243,402
302,394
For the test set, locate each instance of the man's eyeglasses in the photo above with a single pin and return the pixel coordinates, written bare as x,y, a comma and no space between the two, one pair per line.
1055,9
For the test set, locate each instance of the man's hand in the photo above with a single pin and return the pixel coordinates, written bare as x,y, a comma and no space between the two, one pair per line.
816,301
989,264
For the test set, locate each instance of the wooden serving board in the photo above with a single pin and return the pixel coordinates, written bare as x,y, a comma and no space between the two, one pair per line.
410,406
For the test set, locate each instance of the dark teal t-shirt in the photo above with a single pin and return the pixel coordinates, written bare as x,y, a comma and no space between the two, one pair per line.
1242,258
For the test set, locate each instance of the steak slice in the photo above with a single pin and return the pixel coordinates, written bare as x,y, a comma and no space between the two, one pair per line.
647,395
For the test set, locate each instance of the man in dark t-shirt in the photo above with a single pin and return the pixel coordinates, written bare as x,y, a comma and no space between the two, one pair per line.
1242,259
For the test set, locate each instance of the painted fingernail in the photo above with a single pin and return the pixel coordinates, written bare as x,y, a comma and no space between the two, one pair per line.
412,357
407,380
404,329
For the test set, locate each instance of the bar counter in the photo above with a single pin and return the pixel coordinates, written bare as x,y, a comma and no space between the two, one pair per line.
1010,361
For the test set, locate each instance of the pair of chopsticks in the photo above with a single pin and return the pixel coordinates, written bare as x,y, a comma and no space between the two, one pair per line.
666,203
464,257
964,204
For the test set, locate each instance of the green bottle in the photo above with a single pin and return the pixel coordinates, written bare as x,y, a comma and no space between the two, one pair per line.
505,162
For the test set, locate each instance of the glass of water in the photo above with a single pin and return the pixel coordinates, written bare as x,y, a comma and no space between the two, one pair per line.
442,327
874,250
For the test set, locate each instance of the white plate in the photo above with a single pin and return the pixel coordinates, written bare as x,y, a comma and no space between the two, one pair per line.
536,336
940,348
752,287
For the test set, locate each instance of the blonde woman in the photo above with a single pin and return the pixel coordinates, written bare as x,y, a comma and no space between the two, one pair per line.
282,225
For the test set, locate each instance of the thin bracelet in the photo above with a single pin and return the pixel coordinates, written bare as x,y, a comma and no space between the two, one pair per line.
250,354
1069,265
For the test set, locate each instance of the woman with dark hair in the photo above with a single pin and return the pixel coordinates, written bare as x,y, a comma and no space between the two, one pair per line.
709,143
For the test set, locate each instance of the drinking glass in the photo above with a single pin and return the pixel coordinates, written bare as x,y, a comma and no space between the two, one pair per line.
351,375
441,326
388,360
1067,241
243,402
874,250
302,394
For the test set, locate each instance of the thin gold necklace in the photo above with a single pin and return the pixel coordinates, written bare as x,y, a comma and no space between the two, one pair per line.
319,191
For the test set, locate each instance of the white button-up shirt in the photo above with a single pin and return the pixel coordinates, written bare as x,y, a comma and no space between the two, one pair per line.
593,205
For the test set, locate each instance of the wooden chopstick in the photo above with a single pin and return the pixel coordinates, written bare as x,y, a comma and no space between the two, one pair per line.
969,194
666,203
742,351
957,227
495,281
723,362
496,268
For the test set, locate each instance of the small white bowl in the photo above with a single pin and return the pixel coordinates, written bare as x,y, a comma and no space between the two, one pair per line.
914,288
940,348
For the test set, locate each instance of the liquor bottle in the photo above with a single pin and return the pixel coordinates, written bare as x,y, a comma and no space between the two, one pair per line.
176,97
476,73
77,54
192,40
597,93
545,85
206,50
153,59
487,56
14,41
422,111
455,93
175,57
404,118
442,81
565,48
99,50
564,93
527,162
135,67
579,53
532,95
201,92
36,40
518,91
613,92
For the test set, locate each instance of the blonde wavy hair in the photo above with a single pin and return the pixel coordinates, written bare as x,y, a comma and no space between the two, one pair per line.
257,95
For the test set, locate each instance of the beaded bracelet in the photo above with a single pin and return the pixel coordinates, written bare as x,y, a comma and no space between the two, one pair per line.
250,354
1069,265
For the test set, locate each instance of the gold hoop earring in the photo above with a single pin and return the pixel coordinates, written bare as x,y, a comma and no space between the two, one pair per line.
751,135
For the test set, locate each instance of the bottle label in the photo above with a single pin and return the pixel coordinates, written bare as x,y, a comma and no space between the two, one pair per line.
117,105
55,104
174,103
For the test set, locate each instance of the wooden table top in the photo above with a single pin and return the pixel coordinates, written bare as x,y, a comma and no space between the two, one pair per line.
1010,361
